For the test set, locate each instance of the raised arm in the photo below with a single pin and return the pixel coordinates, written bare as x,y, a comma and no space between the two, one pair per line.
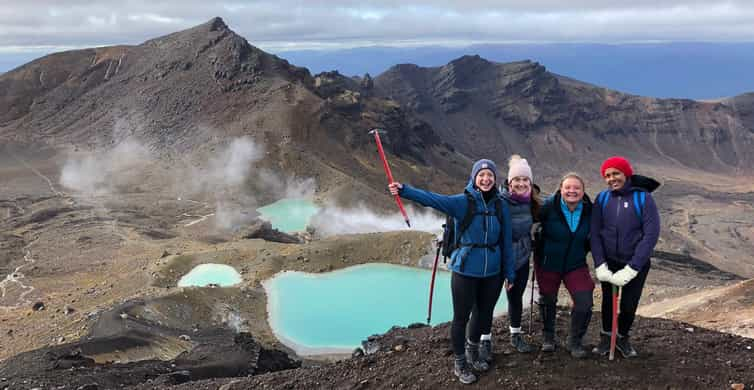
453,205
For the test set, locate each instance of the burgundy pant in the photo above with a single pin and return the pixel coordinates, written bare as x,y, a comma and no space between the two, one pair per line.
575,281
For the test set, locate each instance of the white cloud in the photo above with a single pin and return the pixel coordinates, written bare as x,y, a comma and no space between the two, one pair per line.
341,23
154,18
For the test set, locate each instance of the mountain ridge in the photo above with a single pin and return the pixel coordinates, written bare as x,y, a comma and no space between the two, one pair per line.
522,108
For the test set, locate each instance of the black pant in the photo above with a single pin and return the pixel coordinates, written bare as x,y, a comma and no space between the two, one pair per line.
469,292
629,300
516,295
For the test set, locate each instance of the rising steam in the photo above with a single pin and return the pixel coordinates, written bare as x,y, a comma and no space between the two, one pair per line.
226,177
106,172
287,187
332,220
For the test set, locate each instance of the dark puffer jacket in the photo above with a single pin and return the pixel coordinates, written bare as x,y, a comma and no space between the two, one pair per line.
521,221
559,249
618,233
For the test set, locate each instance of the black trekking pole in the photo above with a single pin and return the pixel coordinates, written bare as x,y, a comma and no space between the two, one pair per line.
531,301
432,282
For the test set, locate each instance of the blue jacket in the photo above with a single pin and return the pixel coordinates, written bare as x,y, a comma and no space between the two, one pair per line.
619,235
521,222
484,230
560,249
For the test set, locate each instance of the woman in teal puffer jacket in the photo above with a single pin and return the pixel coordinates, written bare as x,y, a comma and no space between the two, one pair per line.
560,257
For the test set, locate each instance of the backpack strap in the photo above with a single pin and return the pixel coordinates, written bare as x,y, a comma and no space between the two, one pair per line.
640,198
467,218
499,212
602,199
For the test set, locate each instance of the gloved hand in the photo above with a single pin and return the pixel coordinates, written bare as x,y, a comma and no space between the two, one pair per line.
625,275
603,273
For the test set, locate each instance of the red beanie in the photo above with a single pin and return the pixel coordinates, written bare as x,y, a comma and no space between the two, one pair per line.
619,163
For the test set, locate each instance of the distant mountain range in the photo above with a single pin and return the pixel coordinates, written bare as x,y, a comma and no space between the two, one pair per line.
169,90
693,70
666,70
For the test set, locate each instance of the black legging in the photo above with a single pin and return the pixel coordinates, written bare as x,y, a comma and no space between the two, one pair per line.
515,301
467,292
515,296
629,300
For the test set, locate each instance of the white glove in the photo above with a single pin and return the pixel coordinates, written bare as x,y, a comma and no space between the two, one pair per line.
603,273
622,277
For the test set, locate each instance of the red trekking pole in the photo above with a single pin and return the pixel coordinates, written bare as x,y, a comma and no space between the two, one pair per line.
432,282
388,173
614,334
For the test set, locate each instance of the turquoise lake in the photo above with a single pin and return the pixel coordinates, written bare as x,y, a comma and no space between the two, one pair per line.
206,274
289,215
335,311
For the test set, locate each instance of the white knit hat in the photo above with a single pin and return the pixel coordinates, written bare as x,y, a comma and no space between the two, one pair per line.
518,166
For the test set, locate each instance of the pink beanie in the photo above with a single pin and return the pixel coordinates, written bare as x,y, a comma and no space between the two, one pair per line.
518,166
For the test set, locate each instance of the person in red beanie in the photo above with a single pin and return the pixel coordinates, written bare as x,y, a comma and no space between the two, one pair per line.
624,231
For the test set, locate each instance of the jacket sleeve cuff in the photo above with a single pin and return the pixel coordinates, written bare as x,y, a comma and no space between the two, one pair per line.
635,266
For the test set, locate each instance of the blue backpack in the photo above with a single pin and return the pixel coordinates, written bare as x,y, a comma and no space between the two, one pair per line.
640,198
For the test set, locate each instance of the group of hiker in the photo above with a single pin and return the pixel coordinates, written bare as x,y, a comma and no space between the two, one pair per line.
500,223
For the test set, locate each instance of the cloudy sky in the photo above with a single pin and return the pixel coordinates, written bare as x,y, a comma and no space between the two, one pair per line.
31,27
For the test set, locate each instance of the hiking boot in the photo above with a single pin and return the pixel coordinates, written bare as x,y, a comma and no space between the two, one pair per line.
518,342
462,370
603,348
548,342
472,357
485,351
575,347
625,347
579,324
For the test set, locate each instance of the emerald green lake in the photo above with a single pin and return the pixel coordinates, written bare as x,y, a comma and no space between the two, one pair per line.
289,215
333,312
205,274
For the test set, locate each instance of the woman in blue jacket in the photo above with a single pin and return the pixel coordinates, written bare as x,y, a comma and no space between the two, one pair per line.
483,251
625,230
522,200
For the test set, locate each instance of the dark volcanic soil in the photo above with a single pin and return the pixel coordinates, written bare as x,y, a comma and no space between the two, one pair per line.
216,353
673,356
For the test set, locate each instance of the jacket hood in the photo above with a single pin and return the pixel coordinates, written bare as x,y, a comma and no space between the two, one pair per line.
646,183
638,183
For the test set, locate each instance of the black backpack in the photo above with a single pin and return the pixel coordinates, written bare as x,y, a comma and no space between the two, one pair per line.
451,237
